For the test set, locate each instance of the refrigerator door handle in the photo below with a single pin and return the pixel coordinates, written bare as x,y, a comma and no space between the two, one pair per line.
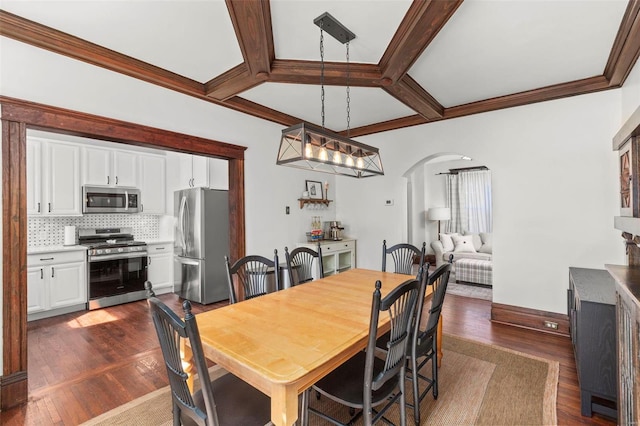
183,203
189,262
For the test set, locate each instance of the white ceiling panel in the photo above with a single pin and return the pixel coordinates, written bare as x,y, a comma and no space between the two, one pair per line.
373,22
494,48
192,38
368,105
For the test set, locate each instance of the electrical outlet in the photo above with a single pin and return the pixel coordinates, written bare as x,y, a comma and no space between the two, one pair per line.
550,324
388,202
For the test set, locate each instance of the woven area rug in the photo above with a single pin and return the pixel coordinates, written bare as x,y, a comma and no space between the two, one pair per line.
478,385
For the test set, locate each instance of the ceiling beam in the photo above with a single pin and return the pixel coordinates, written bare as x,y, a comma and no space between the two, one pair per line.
261,111
557,91
252,24
235,81
47,38
421,24
626,47
335,73
410,93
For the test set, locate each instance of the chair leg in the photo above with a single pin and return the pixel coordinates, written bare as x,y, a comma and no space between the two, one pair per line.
403,399
416,390
304,415
176,415
434,364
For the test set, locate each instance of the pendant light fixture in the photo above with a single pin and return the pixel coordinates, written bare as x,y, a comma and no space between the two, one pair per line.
311,147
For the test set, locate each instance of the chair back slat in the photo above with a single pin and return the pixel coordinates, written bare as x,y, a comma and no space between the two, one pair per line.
402,256
399,305
301,264
255,275
438,280
171,330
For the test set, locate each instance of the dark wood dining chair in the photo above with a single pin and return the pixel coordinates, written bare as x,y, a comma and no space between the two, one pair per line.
225,401
300,264
403,257
365,382
256,276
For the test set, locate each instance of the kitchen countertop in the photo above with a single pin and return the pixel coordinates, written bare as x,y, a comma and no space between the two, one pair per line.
50,249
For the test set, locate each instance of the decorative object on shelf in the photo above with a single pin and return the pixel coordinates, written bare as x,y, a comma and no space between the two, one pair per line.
314,189
439,214
307,146
305,194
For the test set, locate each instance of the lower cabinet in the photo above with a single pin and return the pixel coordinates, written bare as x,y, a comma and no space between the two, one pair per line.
160,267
592,316
56,283
337,256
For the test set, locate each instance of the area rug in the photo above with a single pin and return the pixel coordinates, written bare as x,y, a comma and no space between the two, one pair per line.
467,290
478,385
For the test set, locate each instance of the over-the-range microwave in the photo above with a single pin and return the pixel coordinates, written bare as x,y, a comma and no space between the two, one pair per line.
99,199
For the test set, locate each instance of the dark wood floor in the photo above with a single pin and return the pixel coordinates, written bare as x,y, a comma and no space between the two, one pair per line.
84,364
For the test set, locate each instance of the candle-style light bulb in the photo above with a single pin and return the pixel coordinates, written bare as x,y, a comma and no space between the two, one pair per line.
308,151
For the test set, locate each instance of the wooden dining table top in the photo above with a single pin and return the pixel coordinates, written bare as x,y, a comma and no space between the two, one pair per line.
284,342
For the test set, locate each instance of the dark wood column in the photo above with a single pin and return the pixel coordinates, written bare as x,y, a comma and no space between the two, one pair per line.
13,390
236,209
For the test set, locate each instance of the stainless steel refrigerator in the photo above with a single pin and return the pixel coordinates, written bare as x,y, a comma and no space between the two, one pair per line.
201,242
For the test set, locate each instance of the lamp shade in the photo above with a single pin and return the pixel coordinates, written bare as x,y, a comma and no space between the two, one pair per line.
439,213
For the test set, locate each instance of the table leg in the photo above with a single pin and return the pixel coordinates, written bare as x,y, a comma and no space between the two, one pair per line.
284,405
439,337
187,362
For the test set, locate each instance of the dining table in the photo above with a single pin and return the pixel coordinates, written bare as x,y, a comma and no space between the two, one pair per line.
284,342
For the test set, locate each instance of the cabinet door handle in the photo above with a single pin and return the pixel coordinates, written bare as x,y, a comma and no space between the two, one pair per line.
47,258
116,180
141,207
53,270
159,248
41,273
108,179
148,260
38,207
49,207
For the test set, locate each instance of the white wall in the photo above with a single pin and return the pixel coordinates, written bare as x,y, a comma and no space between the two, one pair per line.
554,191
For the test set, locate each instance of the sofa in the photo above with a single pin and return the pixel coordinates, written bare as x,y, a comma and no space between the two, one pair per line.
465,245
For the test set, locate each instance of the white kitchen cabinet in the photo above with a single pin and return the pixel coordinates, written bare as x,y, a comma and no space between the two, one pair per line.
110,167
194,171
160,267
337,256
56,283
152,183
53,178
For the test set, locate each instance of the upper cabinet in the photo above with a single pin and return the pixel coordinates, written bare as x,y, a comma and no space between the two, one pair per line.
109,167
152,183
198,171
53,178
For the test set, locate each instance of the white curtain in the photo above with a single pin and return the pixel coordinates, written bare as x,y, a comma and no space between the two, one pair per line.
469,198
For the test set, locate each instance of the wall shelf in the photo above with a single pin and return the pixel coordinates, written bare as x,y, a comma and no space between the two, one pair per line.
305,201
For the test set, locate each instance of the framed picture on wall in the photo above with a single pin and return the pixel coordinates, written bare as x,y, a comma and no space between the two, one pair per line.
314,188
626,186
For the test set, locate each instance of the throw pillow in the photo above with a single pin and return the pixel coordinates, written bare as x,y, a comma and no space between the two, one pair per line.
487,243
463,244
477,241
447,242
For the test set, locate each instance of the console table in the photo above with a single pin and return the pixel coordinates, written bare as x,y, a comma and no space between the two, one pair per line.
592,322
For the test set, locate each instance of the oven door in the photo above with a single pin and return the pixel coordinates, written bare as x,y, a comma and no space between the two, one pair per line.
117,274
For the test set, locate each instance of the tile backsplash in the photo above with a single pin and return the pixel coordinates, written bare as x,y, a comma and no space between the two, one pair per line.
49,231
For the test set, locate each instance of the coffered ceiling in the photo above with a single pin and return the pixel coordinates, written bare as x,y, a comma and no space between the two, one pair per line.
412,62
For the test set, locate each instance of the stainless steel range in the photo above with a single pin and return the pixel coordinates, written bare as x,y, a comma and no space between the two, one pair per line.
117,266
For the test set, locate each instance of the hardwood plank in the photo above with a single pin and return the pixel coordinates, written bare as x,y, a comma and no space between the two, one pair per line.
140,369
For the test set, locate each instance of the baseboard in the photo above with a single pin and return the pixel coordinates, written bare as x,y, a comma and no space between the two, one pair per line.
529,318
13,390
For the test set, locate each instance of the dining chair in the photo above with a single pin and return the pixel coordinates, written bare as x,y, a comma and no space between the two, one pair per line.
225,401
253,275
302,260
365,382
403,256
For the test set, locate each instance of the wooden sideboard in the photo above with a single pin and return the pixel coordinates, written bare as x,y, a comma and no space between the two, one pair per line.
592,315
628,326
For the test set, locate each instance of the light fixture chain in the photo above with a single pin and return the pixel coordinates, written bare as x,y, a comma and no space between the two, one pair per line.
322,71
348,95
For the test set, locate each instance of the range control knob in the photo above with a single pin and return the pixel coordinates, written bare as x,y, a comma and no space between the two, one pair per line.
99,251
107,251
120,250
